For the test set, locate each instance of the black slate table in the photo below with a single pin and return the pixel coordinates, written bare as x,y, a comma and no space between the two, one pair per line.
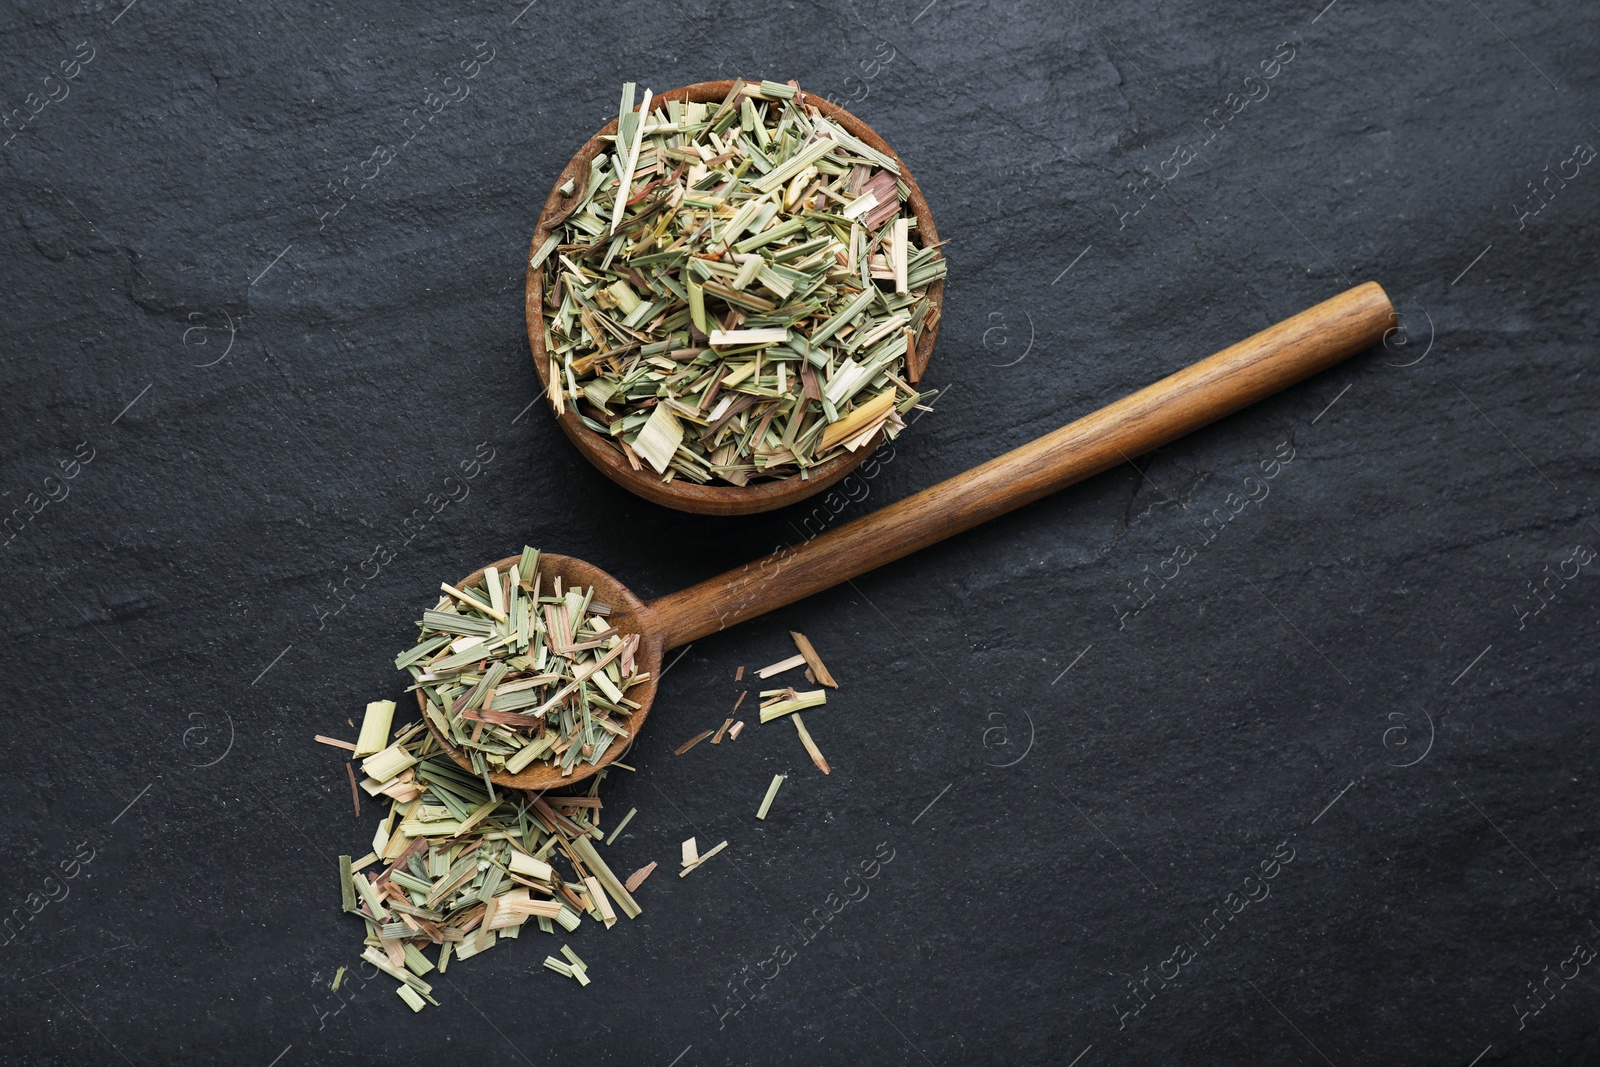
1274,746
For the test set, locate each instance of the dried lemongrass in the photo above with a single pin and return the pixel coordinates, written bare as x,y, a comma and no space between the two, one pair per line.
782,665
623,825
814,661
374,728
636,879
792,702
811,746
734,290
687,867
467,868
772,792
524,674
693,741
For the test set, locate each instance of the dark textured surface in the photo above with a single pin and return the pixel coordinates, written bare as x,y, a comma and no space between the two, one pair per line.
1350,673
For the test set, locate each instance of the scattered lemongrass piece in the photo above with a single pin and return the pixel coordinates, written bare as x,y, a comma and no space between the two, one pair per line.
690,853
766,801
584,849
580,970
374,728
336,743
602,902
798,702
702,859
416,962
782,665
717,740
338,977
738,727
467,869
346,884
636,879
811,746
411,997
693,741
622,825
803,643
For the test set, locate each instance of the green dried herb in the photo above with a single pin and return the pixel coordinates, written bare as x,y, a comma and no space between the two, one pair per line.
527,675
814,661
766,801
375,727
690,865
346,886
734,291
786,701
623,825
810,746
465,868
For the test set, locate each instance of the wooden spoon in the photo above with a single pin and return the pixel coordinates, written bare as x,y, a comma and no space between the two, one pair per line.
1219,385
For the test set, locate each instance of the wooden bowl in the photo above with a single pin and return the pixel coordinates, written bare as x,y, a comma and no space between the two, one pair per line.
682,494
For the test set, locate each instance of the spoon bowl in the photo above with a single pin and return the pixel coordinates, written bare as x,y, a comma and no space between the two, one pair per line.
628,615
1239,375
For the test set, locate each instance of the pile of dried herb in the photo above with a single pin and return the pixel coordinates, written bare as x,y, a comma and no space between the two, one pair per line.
733,291
516,673
466,866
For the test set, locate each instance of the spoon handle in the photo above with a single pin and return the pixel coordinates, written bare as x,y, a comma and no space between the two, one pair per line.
1219,385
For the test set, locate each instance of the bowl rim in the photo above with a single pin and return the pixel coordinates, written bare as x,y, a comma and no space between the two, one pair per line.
682,494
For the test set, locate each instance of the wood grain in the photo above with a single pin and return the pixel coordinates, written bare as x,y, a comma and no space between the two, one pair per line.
1219,385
